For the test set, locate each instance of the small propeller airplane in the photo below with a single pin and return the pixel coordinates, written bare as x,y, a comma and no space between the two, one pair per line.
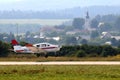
36,49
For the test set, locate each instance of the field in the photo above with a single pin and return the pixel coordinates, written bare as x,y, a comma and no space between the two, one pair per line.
31,57
43,59
59,72
33,21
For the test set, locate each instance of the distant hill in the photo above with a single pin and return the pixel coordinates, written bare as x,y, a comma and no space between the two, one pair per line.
93,10
60,14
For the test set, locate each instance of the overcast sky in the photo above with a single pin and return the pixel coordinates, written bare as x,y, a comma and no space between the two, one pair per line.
52,4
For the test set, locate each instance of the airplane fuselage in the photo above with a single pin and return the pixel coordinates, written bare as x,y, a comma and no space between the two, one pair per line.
47,47
19,49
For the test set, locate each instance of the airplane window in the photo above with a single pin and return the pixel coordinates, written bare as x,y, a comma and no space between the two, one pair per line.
43,45
38,45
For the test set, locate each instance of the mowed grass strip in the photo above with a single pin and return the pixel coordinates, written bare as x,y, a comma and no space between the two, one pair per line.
30,58
60,72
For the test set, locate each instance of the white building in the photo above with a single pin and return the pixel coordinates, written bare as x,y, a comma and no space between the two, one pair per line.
106,35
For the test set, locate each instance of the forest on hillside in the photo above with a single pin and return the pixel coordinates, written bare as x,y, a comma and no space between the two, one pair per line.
60,14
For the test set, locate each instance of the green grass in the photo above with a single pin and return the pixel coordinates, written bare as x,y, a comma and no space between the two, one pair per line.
60,72
30,57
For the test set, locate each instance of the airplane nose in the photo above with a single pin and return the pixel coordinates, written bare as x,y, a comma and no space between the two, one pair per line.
59,46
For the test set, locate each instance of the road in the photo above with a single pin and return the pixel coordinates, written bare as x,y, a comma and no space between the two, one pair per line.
64,63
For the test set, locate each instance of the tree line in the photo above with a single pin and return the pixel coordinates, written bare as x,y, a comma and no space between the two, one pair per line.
89,51
108,23
57,14
73,51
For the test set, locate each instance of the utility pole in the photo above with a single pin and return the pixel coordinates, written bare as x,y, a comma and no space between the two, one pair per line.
17,32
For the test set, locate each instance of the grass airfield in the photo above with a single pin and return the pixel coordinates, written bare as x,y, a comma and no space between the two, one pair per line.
29,58
60,72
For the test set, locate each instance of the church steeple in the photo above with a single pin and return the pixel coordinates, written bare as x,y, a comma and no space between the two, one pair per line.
87,15
87,22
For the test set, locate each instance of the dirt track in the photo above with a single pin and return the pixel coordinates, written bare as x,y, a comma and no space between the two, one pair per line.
63,63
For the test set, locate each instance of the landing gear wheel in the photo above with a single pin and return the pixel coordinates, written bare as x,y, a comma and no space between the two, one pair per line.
38,55
46,56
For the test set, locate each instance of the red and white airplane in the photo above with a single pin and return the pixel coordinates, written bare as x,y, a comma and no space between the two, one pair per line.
35,49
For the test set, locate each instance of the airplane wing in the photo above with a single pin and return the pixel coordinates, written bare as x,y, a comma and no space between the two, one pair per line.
36,50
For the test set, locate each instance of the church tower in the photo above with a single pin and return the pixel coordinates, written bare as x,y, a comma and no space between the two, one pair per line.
87,22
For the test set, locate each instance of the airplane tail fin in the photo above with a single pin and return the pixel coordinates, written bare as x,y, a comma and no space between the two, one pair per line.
16,47
14,42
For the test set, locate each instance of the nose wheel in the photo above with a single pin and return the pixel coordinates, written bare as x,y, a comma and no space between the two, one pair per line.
45,55
38,55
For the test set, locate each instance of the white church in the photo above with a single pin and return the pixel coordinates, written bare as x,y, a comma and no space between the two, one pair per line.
87,23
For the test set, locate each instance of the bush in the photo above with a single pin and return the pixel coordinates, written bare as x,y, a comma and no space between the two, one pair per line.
4,49
80,53
89,51
109,51
92,55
